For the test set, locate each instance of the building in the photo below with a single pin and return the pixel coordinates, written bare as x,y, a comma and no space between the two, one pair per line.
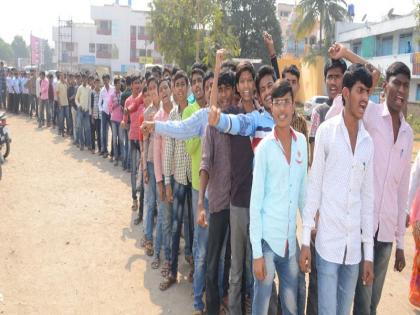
396,38
116,39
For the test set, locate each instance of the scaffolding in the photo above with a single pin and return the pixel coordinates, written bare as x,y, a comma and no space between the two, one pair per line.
65,45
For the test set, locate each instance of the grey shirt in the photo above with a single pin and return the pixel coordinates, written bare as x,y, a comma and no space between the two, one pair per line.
216,161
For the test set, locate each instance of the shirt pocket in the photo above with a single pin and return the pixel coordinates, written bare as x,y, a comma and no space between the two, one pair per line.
358,173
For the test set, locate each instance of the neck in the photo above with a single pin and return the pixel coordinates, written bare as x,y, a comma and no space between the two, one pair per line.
182,105
201,102
283,132
351,122
135,94
167,107
248,105
156,104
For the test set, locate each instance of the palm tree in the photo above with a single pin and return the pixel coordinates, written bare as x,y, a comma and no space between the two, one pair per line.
327,12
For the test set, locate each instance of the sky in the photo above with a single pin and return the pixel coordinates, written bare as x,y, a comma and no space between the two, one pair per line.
40,16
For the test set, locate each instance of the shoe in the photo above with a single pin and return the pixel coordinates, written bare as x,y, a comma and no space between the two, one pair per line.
105,155
111,159
137,221
135,205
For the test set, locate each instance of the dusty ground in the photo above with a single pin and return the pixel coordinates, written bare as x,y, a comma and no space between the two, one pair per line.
68,245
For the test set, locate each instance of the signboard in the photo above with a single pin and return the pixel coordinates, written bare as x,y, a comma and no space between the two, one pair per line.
36,50
87,60
145,60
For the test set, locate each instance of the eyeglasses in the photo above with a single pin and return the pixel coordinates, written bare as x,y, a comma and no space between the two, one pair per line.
282,102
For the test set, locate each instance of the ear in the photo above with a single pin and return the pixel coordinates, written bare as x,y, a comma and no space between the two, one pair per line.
346,93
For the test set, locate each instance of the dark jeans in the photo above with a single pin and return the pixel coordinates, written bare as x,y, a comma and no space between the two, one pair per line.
55,113
25,103
312,303
105,120
64,113
33,105
367,297
96,133
84,131
218,231
181,204
135,156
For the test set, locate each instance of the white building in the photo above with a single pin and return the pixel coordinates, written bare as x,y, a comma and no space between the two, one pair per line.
116,39
382,43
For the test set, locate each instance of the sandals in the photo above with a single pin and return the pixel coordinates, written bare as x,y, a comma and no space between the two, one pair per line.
164,271
149,249
156,263
191,275
167,283
135,205
189,259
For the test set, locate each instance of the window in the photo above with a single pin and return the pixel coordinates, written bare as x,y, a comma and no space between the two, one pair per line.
357,48
133,54
404,46
133,32
418,93
384,47
103,27
104,51
144,52
284,14
91,48
67,46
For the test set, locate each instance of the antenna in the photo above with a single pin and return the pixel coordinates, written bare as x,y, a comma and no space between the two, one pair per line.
390,12
364,17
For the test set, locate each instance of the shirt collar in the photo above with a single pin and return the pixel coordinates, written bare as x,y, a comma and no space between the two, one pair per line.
361,133
292,133
385,113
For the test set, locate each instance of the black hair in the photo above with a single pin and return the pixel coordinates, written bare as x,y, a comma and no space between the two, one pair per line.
135,78
167,79
166,69
198,71
157,69
144,89
281,88
199,65
147,75
293,70
397,68
128,80
262,72
229,64
209,75
227,77
175,69
180,75
50,76
357,73
334,63
42,73
105,76
242,67
97,80
116,81
149,80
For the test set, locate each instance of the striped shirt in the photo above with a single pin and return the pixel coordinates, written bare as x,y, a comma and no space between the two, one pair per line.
299,124
176,160
95,104
148,140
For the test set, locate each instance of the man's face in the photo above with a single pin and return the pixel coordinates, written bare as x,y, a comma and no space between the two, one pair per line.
282,109
96,85
207,89
356,99
181,89
197,86
153,92
225,96
246,86
84,81
106,81
165,92
266,86
135,85
397,89
156,75
334,82
42,76
118,87
294,82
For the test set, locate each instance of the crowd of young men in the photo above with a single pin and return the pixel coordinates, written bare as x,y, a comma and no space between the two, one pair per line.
230,164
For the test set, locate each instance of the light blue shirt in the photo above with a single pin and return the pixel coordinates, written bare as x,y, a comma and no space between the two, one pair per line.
278,191
184,129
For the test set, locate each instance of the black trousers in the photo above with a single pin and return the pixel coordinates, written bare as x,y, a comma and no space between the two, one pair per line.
218,231
96,133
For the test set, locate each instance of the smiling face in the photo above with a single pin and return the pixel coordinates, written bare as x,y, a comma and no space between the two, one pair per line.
164,92
246,86
266,86
180,89
334,82
197,86
282,109
207,89
396,92
225,96
153,92
356,99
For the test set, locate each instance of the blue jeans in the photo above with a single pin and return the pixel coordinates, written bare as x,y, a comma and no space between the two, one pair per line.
150,201
287,269
125,150
179,208
117,137
336,286
367,297
135,156
201,236
64,113
85,137
104,132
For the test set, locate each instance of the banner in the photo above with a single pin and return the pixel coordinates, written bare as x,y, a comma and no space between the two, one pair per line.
36,50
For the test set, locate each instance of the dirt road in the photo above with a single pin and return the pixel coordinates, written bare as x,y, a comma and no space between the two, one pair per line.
68,245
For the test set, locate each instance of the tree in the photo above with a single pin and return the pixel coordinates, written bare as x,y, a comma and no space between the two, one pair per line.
179,26
19,47
249,19
6,52
327,12
48,56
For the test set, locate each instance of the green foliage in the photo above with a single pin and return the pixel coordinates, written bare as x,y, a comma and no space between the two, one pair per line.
48,56
6,52
179,27
20,50
249,19
414,122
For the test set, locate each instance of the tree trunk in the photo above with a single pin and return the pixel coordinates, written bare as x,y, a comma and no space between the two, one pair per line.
321,20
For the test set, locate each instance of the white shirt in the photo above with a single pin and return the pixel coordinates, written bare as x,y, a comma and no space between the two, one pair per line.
104,96
341,187
414,180
38,87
